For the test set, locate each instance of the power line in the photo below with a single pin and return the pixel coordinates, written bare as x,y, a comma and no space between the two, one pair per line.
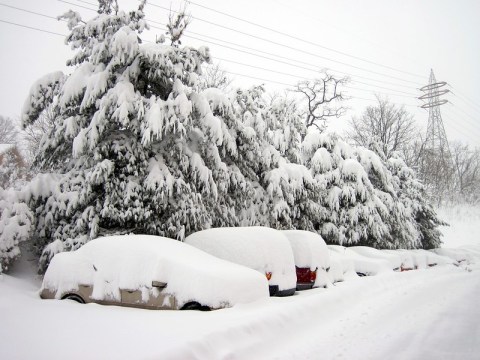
354,34
293,86
87,2
80,6
262,79
354,75
229,72
460,130
33,28
466,100
301,40
276,57
306,78
288,46
409,95
28,11
464,112
472,125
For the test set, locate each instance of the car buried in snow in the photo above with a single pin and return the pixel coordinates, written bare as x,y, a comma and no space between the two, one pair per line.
394,260
150,272
263,249
311,256
363,265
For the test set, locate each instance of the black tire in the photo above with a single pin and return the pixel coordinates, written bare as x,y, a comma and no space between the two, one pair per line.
74,297
193,305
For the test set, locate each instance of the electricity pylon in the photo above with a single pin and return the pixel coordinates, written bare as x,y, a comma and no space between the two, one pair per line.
437,170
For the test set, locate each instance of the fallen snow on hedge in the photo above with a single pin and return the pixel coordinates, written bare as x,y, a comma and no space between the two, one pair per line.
134,261
259,248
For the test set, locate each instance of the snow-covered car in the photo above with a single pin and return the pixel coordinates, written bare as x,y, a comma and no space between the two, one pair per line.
363,265
150,272
394,260
311,256
406,257
260,248
458,255
341,266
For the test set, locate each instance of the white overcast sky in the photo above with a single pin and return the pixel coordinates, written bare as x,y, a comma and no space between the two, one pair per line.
399,42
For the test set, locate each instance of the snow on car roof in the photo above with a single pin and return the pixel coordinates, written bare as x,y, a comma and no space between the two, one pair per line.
133,261
260,248
309,249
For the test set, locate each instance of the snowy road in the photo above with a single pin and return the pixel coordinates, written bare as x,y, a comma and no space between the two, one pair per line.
423,314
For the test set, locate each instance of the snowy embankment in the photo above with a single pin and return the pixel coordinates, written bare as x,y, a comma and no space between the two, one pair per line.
422,314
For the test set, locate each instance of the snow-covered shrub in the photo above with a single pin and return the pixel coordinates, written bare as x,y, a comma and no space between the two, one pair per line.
353,211
135,147
15,226
417,224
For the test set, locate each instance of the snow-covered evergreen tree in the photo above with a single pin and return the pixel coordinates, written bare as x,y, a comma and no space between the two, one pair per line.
286,127
422,228
284,187
135,147
352,210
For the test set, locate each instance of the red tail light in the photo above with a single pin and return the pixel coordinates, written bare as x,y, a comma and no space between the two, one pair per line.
268,275
313,276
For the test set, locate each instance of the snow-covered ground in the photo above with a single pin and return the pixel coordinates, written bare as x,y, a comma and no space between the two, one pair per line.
423,314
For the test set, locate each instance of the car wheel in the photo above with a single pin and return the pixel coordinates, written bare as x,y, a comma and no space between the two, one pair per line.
74,297
193,305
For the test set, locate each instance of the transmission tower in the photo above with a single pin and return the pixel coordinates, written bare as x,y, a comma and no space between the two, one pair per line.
437,168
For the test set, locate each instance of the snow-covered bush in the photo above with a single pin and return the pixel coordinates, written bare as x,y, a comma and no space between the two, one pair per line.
135,147
352,211
416,224
15,225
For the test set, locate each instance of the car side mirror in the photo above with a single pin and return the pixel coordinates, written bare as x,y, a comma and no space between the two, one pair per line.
159,284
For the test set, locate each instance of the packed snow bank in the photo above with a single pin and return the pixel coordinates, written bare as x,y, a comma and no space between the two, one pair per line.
132,262
310,251
362,264
411,315
260,248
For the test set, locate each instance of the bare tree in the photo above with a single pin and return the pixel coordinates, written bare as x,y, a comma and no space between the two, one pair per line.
324,99
386,123
467,166
34,133
213,76
8,131
412,152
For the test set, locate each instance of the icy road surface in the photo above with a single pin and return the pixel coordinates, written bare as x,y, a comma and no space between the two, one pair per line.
422,314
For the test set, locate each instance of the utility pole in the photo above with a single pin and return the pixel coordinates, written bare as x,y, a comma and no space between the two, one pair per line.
437,169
